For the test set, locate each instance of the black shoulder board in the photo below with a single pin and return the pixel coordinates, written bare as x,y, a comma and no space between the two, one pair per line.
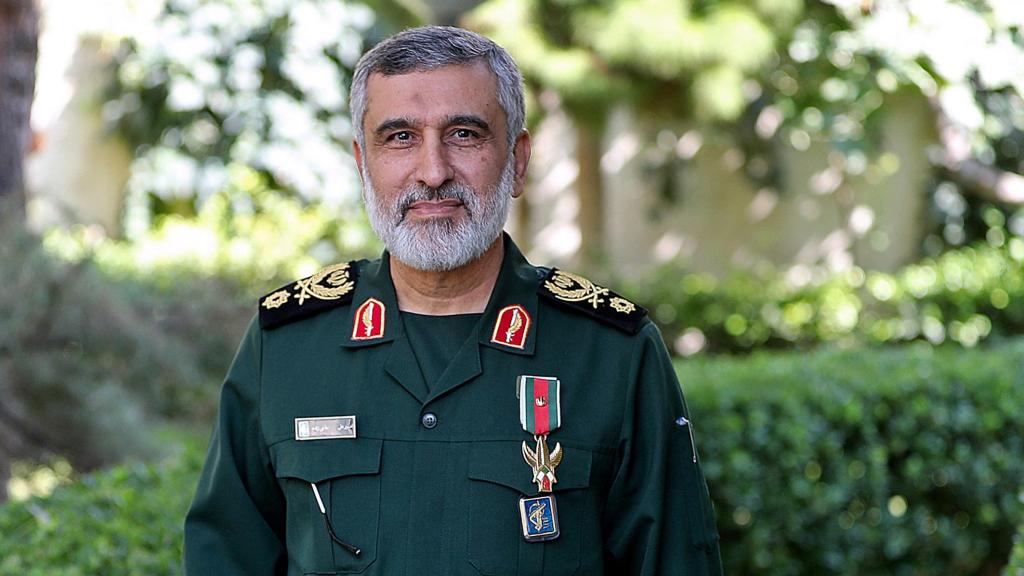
328,288
582,295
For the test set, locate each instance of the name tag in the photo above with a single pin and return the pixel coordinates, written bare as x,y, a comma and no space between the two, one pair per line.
325,428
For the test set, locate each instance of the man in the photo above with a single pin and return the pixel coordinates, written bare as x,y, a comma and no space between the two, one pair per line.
449,409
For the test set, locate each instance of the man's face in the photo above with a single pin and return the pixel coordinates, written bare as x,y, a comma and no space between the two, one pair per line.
437,172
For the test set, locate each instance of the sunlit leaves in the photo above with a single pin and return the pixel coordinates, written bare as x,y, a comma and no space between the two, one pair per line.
597,54
965,296
122,521
227,83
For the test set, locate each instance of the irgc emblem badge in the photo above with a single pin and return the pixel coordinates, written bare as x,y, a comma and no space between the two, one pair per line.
540,413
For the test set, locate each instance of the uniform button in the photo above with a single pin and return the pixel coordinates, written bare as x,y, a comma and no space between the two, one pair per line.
429,420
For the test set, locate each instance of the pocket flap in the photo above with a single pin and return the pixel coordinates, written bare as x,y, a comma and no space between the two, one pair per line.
502,463
321,460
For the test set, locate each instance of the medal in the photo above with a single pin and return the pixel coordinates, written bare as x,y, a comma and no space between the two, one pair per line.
540,518
540,413
543,463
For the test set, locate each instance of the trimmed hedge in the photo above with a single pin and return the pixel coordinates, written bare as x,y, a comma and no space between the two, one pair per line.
124,521
863,462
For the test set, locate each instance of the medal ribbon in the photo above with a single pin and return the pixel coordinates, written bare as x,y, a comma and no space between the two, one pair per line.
539,410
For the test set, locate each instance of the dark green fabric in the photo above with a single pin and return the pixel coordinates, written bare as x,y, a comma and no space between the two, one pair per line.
444,501
435,340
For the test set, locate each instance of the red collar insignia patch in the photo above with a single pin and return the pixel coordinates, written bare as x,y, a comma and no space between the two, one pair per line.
368,322
512,327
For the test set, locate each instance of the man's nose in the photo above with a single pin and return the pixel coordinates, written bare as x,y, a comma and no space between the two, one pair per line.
434,164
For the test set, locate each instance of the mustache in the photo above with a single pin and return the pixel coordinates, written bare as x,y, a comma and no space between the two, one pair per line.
447,191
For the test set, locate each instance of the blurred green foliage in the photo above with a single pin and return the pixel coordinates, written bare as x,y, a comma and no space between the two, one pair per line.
865,462
243,103
89,361
1016,564
964,296
252,252
122,521
677,55
789,73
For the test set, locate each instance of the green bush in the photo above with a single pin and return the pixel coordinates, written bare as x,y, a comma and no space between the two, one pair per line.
126,520
964,296
85,357
863,462
1016,565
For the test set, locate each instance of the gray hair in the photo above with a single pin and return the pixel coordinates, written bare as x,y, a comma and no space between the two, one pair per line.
432,47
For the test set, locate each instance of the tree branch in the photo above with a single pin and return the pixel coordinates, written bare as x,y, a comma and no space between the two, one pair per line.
983,180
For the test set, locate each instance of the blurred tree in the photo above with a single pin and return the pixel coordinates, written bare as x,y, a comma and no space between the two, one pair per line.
665,57
19,32
782,72
18,49
964,60
245,101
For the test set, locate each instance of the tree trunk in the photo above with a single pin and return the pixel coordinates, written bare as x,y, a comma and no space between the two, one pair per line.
18,50
590,192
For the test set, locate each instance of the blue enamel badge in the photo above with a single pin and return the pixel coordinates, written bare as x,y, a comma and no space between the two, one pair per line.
540,518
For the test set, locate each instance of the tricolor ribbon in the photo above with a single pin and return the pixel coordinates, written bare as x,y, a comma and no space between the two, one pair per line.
540,409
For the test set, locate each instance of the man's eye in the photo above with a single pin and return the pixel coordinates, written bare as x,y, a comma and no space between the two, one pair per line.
464,133
401,136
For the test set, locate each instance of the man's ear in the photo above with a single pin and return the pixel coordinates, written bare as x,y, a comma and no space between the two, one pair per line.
521,152
357,152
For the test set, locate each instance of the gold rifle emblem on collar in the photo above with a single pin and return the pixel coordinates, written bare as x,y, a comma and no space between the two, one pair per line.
515,325
368,320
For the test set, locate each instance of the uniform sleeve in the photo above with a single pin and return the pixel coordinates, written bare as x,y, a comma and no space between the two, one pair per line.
659,519
236,523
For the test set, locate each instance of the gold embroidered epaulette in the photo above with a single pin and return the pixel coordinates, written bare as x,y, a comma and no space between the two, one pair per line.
584,296
328,288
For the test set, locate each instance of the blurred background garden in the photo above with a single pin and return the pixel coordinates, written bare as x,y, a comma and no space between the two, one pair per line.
821,202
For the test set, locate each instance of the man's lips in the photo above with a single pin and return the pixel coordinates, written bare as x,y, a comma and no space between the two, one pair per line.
445,207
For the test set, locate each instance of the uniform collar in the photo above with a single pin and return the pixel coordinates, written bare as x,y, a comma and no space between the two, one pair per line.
516,287
374,284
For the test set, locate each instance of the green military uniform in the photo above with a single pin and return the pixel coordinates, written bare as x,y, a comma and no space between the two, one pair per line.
426,478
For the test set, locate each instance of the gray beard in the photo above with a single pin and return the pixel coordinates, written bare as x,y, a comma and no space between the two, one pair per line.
441,244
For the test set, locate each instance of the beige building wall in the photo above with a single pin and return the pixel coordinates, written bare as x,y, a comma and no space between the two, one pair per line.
719,220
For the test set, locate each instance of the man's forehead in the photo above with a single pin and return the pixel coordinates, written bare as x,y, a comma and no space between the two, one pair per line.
447,90
475,68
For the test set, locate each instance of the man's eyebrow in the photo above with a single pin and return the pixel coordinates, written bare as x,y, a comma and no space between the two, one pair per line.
393,124
468,120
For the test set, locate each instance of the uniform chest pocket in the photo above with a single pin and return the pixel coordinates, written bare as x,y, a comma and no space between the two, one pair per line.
347,476
499,477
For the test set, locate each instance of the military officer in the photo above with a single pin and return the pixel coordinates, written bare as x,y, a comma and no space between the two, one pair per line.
449,409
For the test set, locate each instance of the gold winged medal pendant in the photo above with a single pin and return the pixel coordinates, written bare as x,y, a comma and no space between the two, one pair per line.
540,413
